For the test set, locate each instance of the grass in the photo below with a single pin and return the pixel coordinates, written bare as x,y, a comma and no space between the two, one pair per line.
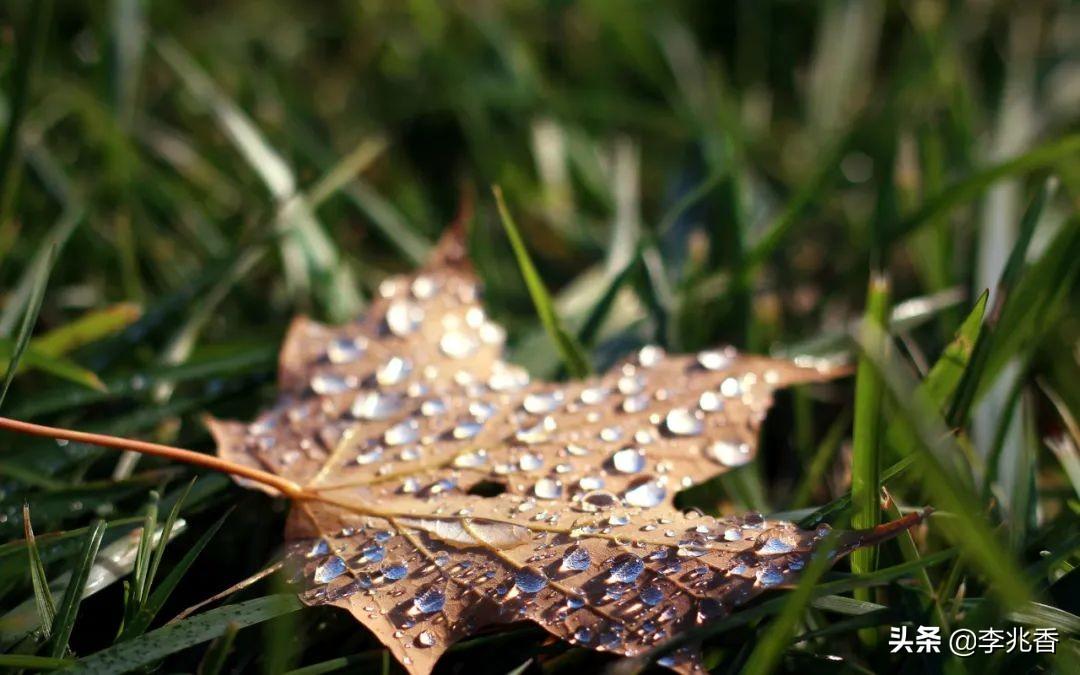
176,183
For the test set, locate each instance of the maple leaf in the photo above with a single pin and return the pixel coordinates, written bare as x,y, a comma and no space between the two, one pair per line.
385,424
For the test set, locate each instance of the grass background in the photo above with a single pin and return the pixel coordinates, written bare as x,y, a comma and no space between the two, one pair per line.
178,179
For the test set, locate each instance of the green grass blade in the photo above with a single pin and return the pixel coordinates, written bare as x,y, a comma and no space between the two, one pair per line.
925,435
46,607
139,587
573,357
169,639
1047,154
975,372
89,328
166,535
161,594
30,45
771,646
866,457
33,663
218,652
69,605
26,329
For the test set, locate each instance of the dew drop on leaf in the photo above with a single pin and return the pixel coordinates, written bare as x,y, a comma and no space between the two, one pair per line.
530,580
645,493
577,559
430,601
329,569
395,571
682,422
651,595
628,460
626,568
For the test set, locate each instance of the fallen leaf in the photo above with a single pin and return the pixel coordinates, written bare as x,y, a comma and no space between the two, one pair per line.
385,425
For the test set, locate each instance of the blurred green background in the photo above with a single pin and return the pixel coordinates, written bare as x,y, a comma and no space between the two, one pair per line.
178,179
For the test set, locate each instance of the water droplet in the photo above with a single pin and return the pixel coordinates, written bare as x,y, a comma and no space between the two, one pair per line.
651,595
423,287
774,546
410,486
714,360
467,429
319,548
326,383
430,601
472,459
394,371
635,404
575,601
593,395
577,559
530,580
611,434
425,639
458,345
577,450
645,492
329,569
530,461
345,350
583,635
730,387
395,570
710,401
537,433
432,407
542,403
729,453
369,455
548,488
708,609
373,553
650,355
375,406
631,384
618,519
628,460
402,317
590,483
626,568
682,422
769,576
402,433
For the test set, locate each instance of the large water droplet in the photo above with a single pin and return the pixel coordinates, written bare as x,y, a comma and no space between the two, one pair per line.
628,460
432,407
593,395
774,546
394,371
646,493
373,553
403,317
329,569
530,580
530,461
430,601
652,595
626,568
548,488
710,401
369,455
425,639
326,383
650,355
584,635
729,453
714,360
542,403
395,570
402,433
577,559
769,576
682,422
375,406
467,429
458,345
472,459
345,350
631,384
598,500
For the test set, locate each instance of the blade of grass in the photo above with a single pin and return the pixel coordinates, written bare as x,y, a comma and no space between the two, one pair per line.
925,435
37,295
46,607
24,71
33,663
906,542
88,328
1045,155
166,535
169,639
218,651
771,646
970,382
69,605
161,594
139,588
866,456
573,357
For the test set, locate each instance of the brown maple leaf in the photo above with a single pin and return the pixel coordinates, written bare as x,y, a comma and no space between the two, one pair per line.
386,424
